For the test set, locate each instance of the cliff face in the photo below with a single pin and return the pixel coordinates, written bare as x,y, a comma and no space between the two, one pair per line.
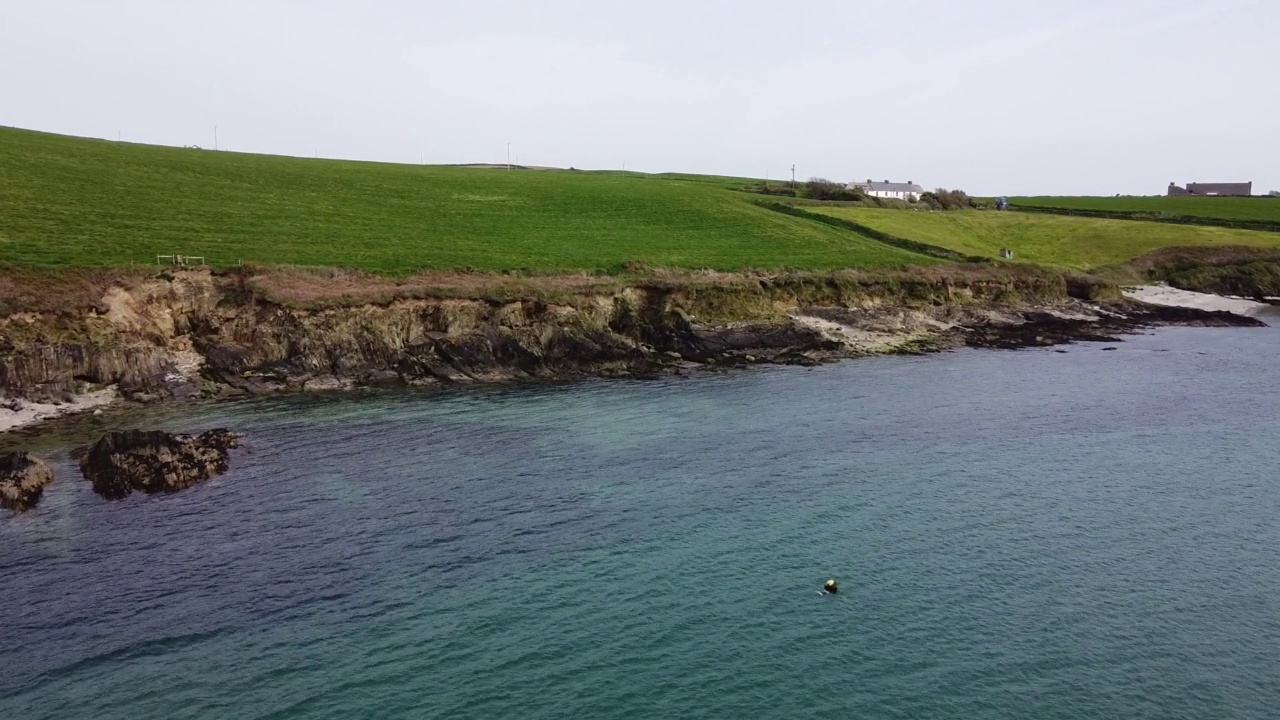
414,341
1248,272
197,333
139,338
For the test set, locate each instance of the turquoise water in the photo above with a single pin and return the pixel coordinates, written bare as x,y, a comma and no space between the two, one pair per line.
1027,534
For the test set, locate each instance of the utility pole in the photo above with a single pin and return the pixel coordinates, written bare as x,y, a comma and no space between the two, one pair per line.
215,137
793,176
508,157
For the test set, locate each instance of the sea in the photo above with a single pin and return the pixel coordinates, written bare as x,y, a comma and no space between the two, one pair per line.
1091,531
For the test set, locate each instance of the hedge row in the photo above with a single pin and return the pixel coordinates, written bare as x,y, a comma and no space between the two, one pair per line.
1263,225
886,238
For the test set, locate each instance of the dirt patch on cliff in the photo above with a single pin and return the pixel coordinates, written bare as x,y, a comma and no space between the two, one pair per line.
37,290
320,288
337,287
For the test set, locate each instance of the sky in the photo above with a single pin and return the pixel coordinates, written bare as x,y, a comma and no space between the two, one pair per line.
1011,97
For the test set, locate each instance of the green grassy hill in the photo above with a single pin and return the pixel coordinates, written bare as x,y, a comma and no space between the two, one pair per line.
73,201
1076,242
1265,209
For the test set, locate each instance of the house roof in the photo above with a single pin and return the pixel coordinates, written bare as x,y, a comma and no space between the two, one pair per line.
886,186
1220,188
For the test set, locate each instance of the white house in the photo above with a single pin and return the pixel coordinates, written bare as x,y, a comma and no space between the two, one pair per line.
897,191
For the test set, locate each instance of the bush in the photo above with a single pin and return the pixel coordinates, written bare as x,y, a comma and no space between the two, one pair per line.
943,199
823,189
777,188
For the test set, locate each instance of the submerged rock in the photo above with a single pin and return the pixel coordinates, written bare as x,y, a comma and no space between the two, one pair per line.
155,461
22,480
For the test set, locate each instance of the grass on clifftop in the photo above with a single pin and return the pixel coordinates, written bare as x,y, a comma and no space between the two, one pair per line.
1075,242
68,201
1226,208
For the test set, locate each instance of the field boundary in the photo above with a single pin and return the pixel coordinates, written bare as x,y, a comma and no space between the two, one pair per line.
1145,216
901,243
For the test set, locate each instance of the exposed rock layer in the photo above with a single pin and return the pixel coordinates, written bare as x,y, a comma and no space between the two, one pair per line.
197,333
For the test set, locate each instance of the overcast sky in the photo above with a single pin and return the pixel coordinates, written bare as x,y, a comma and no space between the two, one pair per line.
992,96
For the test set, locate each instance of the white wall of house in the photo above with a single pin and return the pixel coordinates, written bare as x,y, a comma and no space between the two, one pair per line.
894,195
888,190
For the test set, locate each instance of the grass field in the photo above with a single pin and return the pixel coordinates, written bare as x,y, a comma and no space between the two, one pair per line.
68,201
72,201
1075,242
1227,208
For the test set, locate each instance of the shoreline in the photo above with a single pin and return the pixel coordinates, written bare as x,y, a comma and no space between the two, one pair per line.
1169,296
807,336
31,414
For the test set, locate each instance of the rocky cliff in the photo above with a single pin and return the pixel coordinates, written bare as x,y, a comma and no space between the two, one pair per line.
250,331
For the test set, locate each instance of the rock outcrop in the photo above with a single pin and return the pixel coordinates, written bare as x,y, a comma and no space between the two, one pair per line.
1044,329
258,331
154,461
22,480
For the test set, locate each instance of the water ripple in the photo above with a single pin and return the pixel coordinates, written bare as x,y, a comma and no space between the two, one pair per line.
1016,534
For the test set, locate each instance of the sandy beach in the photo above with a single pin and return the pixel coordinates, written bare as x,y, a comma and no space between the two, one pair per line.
31,412
1165,295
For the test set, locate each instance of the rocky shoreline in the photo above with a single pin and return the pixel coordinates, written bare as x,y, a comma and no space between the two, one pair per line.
198,335
192,337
